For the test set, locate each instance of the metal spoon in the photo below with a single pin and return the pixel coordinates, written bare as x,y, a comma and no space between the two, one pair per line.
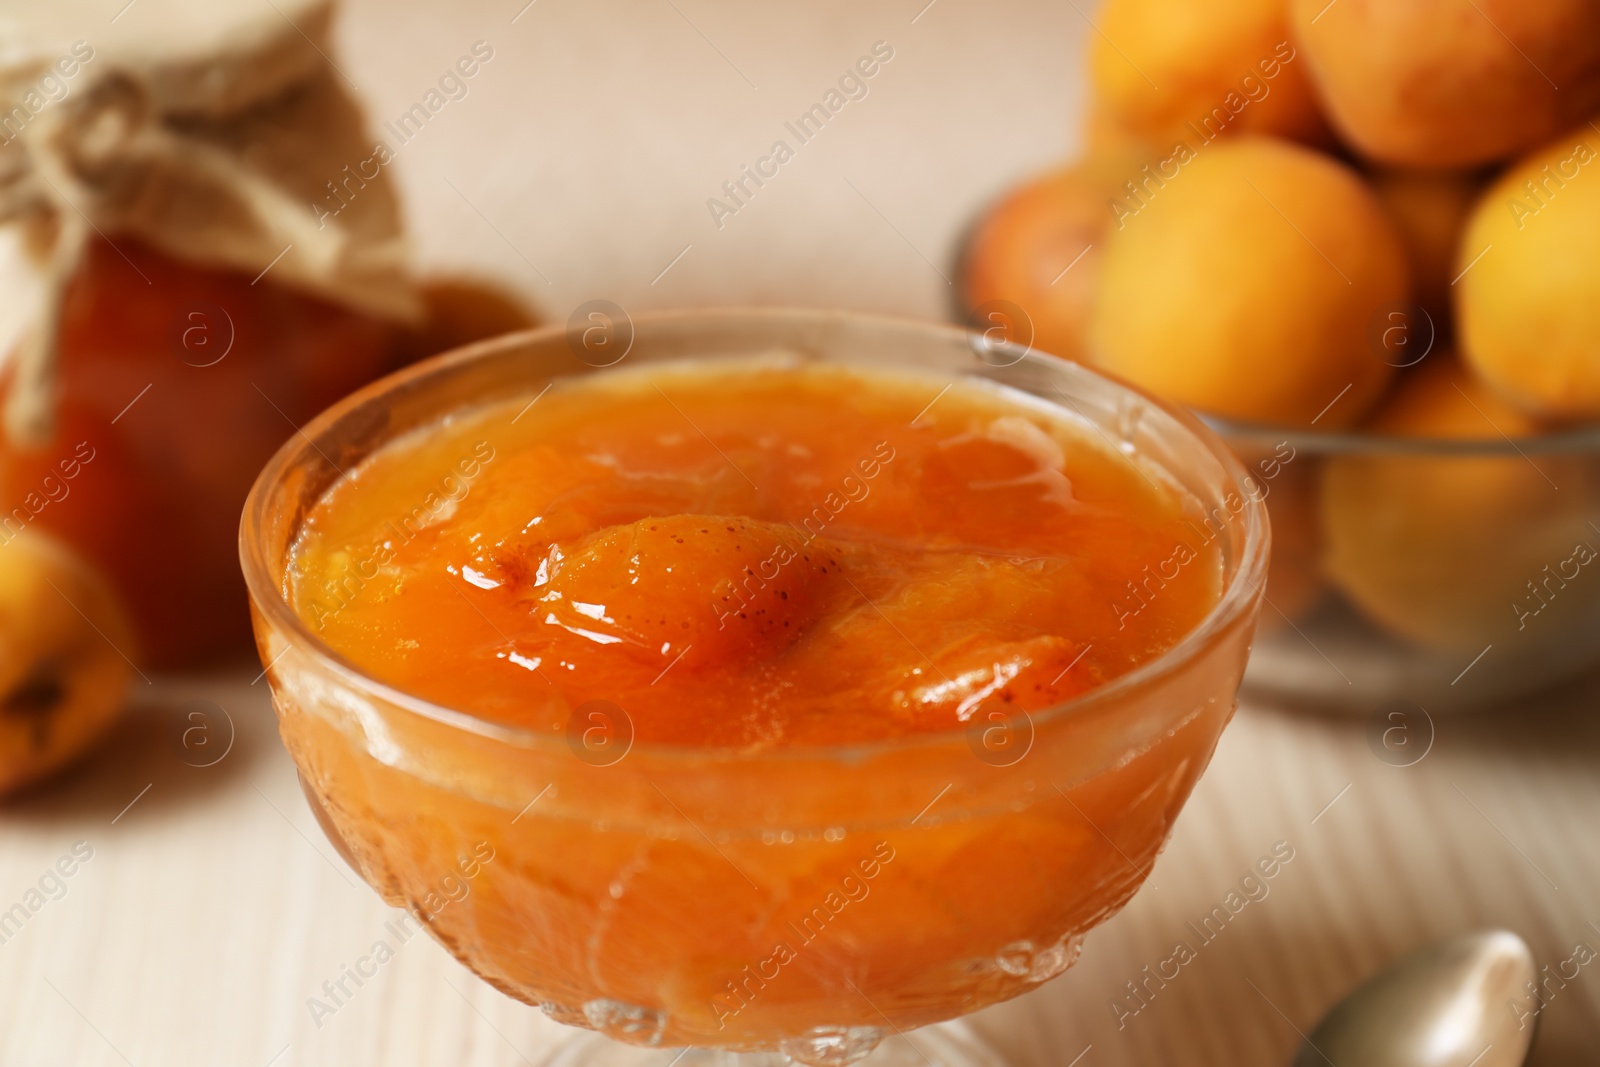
1447,1005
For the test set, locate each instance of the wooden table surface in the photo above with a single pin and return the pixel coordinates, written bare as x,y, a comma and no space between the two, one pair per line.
578,166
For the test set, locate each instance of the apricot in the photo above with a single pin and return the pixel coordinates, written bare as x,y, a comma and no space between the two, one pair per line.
965,673
1442,549
1529,300
63,675
1174,69
1430,211
1103,134
1245,285
1450,83
643,587
1040,249
460,310
1289,478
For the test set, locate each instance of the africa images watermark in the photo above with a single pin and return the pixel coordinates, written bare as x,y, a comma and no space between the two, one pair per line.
452,85
53,489
338,991
852,86
1253,888
1153,177
1537,193
339,593
852,489
853,888
1550,583
53,86
51,886
1539,994
1156,576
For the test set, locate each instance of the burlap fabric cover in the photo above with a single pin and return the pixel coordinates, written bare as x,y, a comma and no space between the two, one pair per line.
219,132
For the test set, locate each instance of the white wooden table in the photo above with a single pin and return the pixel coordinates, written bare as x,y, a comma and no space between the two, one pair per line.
212,907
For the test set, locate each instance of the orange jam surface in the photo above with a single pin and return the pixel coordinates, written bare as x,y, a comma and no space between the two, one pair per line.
756,555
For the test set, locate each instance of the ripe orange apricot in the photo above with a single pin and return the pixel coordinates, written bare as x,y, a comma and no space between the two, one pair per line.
1430,210
62,672
667,556
1529,300
1441,549
459,310
1245,284
1450,83
1040,248
1166,69
1294,577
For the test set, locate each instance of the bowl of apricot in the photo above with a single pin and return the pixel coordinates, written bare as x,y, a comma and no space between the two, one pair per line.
1440,557
772,682
1404,358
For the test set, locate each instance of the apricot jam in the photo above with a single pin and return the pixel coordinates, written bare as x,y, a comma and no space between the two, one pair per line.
156,443
749,559
885,722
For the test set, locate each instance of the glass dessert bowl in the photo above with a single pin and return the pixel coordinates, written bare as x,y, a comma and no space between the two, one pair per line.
1441,574
623,847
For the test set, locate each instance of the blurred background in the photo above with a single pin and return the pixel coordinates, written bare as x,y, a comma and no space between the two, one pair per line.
581,162
589,156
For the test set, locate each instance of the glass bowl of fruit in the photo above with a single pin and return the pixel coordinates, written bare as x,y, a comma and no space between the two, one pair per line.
1401,351
1439,556
760,682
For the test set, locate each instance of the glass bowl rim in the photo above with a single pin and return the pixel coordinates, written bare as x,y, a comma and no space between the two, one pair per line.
1241,593
1579,439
